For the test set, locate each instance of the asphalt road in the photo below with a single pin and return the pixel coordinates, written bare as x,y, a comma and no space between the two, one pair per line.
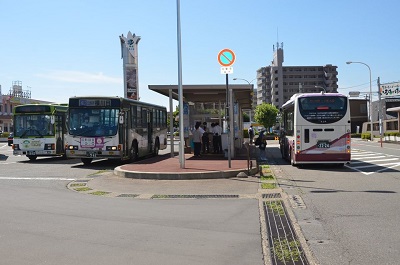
347,215
42,222
350,215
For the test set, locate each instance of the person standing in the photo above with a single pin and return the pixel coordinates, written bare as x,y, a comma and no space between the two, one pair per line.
206,143
262,147
217,131
251,133
197,135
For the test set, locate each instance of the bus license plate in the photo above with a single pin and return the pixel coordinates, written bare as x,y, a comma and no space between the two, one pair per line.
30,153
91,154
323,144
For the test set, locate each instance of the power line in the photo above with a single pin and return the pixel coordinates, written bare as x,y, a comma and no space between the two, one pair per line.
358,85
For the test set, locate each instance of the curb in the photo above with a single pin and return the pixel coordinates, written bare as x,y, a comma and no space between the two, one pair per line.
181,175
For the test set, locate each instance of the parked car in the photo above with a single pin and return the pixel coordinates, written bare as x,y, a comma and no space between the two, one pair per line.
10,139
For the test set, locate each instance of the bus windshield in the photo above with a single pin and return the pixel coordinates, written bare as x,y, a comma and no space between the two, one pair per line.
93,122
323,110
33,125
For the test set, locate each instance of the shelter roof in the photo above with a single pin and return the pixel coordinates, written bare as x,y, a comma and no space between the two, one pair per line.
208,93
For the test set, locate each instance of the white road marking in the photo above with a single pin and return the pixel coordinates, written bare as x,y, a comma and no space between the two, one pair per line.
9,178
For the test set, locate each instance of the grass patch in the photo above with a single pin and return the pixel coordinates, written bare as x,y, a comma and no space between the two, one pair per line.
267,177
276,208
77,184
286,250
264,166
157,196
99,172
100,193
83,189
268,185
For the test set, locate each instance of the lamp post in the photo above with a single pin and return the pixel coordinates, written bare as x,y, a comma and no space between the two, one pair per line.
370,95
248,82
321,88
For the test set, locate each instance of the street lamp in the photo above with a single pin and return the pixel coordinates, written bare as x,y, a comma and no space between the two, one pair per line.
252,92
321,88
370,95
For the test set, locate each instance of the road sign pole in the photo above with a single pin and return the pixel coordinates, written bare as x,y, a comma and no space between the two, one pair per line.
226,59
228,120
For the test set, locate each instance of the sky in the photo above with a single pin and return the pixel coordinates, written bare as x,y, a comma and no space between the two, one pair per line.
60,49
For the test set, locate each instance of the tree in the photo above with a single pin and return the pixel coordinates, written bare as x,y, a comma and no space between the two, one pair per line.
266,114
174,114
246,117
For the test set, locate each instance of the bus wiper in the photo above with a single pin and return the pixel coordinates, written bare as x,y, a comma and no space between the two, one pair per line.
40,135
83,133
23,135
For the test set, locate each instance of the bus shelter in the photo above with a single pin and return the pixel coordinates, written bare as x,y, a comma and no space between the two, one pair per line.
208,103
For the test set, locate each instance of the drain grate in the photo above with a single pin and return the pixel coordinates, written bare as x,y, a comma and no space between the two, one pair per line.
183,196
128,195
271,196
284,244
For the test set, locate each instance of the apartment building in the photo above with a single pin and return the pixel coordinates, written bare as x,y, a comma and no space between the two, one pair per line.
277,83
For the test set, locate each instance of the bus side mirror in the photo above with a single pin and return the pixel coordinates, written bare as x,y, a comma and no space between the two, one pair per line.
121,119
52,120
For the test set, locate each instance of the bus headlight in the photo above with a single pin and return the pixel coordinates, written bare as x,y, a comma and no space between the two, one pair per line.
49,147
72,147
111,148
16,146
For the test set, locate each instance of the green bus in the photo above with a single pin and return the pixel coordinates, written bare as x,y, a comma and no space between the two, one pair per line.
40,130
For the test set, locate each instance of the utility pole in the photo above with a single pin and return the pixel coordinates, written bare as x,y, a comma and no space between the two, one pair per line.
380,114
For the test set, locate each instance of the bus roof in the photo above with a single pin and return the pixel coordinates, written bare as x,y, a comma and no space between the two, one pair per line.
119,98
300,95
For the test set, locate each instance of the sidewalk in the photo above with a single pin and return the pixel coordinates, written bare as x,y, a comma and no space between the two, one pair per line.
163,175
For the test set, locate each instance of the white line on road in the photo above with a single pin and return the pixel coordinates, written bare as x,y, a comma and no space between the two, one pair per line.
368,161
10,178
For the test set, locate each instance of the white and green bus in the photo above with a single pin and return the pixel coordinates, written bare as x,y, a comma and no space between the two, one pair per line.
39,130
114,128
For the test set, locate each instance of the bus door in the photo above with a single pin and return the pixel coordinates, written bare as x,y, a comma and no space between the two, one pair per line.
123,132
150,130
59,127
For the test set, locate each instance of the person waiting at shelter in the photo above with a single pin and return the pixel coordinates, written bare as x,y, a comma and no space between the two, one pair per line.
205,140
197,136
251,134
217,140
262,146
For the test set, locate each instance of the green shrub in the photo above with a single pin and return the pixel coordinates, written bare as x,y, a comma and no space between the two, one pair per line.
356,135
245,133
4,134
366,136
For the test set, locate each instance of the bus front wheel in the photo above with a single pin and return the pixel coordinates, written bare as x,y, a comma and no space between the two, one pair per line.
86,161
32,158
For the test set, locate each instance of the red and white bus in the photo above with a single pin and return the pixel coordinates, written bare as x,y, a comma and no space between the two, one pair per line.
316,129
114,128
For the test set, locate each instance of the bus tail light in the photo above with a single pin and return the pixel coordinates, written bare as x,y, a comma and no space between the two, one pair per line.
298,141
119,147
348,143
